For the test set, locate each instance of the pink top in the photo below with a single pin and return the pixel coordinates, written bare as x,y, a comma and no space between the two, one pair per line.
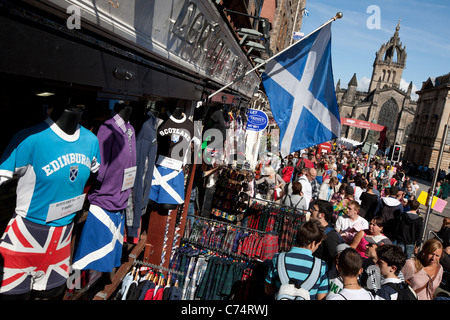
419,279
361,248
366,239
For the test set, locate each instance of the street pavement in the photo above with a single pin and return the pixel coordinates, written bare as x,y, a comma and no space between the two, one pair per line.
435,219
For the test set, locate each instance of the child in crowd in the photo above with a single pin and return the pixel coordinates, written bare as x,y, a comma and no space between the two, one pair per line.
336,284
391,259
349,266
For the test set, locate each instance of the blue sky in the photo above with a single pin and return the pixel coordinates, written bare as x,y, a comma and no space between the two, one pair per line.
424,30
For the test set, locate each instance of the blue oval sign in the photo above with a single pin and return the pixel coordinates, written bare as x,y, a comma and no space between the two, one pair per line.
257,120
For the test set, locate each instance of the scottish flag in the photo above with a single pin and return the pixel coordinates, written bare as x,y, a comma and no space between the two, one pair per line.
300,87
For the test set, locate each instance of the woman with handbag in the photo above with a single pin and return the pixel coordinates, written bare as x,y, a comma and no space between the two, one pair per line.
424,272
274,182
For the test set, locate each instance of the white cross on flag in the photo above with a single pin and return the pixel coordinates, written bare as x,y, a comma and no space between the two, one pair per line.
300,87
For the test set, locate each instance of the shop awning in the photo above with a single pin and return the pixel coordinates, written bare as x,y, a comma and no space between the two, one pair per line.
349,143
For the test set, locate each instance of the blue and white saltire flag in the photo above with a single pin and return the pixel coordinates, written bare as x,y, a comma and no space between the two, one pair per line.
298,35
300,87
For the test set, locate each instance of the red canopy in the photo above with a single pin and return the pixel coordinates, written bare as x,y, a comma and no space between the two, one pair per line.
361,124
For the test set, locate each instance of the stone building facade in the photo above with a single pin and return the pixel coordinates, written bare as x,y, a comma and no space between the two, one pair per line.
384,103
432,114
285,17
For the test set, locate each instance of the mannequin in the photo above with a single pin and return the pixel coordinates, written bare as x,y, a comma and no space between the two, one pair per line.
174,137
70,120
178,112
146,150
108,196
174,141
124,111
154,111
52,162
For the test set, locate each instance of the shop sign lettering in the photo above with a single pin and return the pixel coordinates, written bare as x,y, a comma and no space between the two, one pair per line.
203,44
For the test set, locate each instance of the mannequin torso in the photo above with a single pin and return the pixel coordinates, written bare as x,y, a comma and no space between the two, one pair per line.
69,120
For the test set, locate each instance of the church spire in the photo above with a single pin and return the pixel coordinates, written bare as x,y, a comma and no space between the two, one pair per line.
353,81
390,61
397,29
408,93
395,39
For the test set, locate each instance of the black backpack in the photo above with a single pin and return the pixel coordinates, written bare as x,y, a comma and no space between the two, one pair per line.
405,292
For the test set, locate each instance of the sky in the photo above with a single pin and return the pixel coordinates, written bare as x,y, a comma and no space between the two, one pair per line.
366,25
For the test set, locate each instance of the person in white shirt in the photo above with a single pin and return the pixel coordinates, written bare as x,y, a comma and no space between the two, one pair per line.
360,187
349,266
351,223
308,176
415,188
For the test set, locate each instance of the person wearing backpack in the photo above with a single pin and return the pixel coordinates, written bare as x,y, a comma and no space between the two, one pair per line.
296,199
349,266
297,274
390,260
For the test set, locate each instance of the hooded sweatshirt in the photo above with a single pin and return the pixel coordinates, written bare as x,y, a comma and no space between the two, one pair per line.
390,209
287,173
410,228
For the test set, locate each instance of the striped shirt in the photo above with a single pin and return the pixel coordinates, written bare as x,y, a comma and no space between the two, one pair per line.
299,262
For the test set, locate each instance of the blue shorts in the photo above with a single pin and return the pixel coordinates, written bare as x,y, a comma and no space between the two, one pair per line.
101,241
167,186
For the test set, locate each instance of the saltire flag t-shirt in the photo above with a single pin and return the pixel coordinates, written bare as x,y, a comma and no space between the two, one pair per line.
52,169
174,138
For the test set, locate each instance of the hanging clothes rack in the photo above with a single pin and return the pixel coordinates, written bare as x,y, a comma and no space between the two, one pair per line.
229,224
160,268
234,241
274,204
269,216
218,250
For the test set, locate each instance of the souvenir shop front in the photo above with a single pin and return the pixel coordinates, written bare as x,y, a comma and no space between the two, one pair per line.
111,189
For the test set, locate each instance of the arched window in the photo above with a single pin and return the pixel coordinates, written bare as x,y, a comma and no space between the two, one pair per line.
388,116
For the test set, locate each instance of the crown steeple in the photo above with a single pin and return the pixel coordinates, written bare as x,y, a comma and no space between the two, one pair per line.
390,61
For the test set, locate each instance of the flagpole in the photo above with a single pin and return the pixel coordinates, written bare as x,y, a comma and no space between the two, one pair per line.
295,22
337,16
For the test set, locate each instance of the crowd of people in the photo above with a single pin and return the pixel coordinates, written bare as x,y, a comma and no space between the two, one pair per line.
364,224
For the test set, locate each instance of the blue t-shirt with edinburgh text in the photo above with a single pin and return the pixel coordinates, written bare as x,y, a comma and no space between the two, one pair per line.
52,168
